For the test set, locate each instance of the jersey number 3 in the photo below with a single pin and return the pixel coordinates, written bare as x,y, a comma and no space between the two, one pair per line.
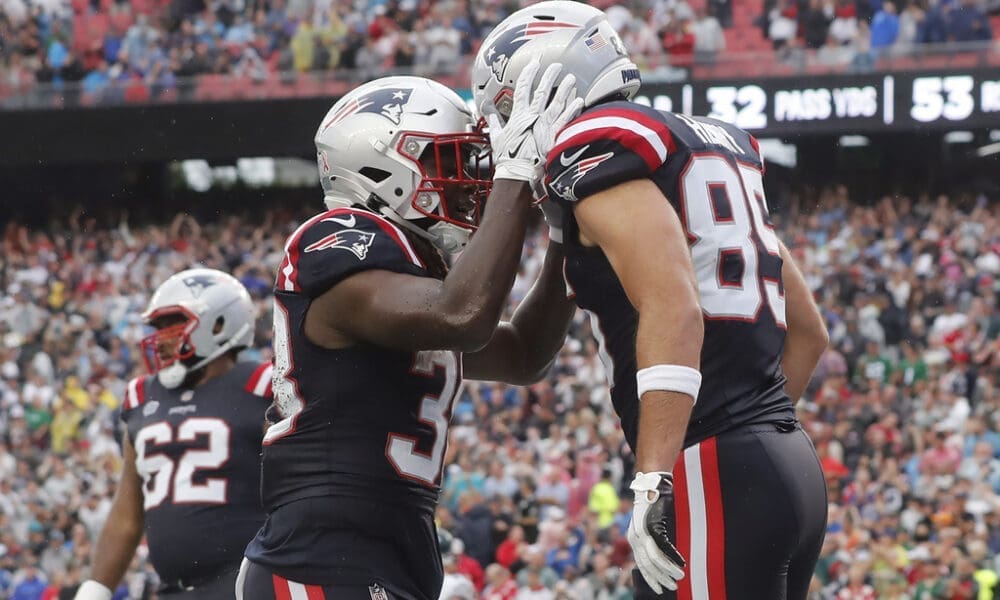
724,207
434,411
159,472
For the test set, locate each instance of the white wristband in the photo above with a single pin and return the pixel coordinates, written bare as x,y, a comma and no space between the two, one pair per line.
93,590
669,378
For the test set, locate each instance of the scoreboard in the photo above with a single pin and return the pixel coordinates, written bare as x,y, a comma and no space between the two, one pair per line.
842,104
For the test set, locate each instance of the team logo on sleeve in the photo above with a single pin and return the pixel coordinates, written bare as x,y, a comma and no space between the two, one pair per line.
504,47
564,185
388,102
355,241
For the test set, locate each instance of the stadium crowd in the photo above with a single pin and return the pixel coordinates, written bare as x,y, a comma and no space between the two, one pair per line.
108,51
903,408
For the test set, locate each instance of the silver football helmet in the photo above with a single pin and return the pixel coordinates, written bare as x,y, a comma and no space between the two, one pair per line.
407,148
200,314
574,34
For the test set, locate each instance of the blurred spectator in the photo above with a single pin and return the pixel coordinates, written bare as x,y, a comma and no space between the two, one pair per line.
968,23
783,25
150,50
844,27
640,38
934,29
816,23
456,585
443,41
884,27
604,500
678,42
911,21
500,584
709,38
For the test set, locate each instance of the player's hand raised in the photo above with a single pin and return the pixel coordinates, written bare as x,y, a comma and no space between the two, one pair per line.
559,112
655,555
515,152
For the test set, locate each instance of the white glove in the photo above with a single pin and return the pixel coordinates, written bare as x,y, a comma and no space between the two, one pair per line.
556,116
93,590
553,119
515,155
655,555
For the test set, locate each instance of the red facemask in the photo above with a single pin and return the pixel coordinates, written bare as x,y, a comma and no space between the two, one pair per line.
171,343
450,165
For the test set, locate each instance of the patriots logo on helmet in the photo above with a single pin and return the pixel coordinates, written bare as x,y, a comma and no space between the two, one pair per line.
353,240
498,55
198,284
388,102
564,186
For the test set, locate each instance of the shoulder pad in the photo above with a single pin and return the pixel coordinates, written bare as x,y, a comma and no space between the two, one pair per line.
637,129
259,382
333,245
135,393
607,145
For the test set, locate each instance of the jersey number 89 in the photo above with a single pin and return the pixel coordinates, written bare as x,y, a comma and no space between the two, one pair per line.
723,207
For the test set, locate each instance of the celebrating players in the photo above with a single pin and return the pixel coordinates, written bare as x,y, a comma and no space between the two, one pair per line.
370,327
192,445
708,326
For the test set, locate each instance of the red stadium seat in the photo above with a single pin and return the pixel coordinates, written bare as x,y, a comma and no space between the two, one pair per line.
87,29
934,61
965,60
211,87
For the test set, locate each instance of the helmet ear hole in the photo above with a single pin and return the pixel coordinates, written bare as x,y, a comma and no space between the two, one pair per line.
375,174
219,324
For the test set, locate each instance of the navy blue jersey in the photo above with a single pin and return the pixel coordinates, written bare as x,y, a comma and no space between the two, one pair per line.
711,173
198,454
362,426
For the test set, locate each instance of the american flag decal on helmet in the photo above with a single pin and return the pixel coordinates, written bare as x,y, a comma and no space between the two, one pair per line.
595,42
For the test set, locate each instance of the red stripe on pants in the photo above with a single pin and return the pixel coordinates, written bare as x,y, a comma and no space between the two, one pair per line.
315,592
714,518
682,523
281,591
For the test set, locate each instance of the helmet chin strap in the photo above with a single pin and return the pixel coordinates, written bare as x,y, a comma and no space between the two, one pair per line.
173,376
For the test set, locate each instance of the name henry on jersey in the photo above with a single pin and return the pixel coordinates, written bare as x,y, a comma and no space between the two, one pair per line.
712,134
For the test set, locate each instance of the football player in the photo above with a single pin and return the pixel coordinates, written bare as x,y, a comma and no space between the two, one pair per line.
707,325
191,444
373,333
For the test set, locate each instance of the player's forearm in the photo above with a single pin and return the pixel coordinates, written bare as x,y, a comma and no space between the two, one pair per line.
542,319
115,549
663,420
476,289
670,333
